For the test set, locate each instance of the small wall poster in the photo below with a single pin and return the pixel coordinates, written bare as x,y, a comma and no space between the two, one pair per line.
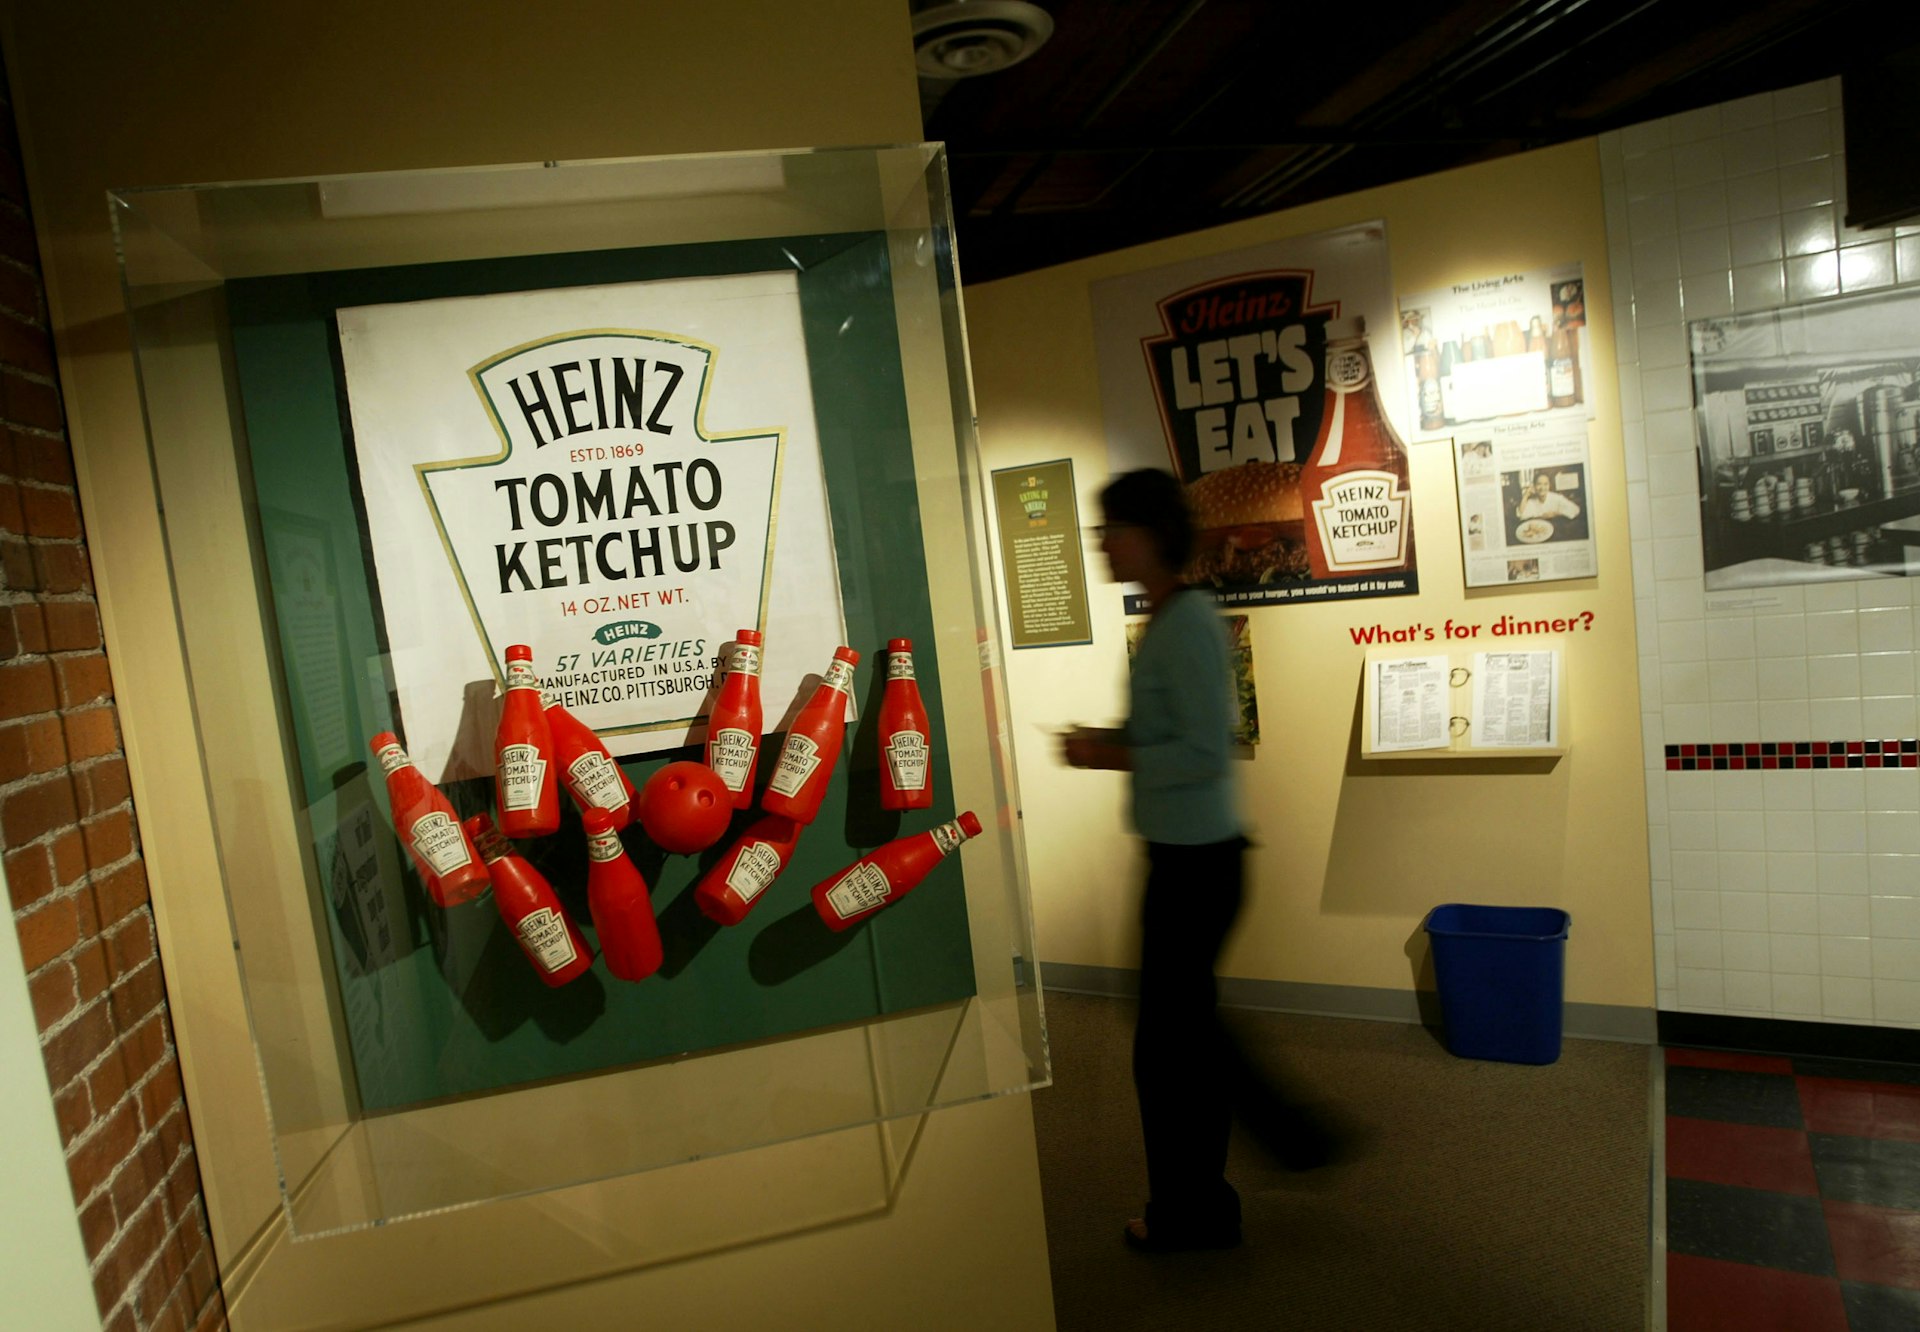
1526,502
1218,370
1041,555
1246,698
1510,344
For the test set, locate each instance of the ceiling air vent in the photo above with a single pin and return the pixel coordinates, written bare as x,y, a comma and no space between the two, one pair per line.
969,37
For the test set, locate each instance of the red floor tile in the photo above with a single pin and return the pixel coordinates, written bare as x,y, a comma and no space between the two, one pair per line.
1877,1244
1744,1155
1707,1295
1737,1063
1860,1109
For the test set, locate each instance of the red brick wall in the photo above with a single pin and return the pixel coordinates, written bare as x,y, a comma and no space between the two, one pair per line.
72,848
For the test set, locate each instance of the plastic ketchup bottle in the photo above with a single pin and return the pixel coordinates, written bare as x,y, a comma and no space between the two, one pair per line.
807,758
523,770
589,773
906,767
887,874
733,728
617,897
732,887
441,852
551,941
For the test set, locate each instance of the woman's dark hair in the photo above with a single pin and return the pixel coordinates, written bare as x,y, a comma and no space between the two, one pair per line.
1153,500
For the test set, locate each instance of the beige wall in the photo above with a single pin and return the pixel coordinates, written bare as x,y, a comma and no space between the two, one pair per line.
1350,854
141,95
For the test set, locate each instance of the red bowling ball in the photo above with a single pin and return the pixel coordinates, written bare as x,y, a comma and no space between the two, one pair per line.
685,807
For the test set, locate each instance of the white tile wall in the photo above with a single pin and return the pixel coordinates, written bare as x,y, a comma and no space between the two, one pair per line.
1783,894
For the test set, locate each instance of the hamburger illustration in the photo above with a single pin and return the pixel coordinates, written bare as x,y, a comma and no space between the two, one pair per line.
1250,525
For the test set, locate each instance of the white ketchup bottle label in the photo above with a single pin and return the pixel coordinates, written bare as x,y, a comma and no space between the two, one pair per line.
544,935
438,841
948,836
757,867
596,778
730,752
907,760
798,758
861,887
521,772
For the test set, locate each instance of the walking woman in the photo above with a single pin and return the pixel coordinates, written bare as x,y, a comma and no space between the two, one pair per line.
1177,746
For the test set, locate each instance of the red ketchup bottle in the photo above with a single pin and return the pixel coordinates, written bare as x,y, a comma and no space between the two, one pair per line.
617,896
441,852
732,887
1354,485
906,767
589,773
551,941
733,728
813,745
523,770
887,874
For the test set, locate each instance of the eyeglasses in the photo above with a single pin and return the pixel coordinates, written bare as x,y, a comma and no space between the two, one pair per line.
1099,531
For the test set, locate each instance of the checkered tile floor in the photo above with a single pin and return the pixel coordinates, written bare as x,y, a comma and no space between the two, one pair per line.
1793,1194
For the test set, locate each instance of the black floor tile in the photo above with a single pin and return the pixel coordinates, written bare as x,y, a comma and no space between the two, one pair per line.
1748,1226
1861,1070
1770,1099
1876,1171
1880,1308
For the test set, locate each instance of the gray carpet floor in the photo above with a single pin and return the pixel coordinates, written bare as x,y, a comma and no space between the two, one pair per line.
1488,1196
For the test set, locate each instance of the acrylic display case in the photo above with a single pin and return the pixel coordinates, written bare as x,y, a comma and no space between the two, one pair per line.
411,1059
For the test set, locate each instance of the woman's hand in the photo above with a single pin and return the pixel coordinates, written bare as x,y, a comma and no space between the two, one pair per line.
1093,747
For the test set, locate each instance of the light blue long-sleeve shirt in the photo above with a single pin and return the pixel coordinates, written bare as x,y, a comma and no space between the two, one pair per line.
1180,720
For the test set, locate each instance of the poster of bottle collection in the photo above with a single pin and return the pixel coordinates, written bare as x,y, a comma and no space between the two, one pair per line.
1261,379
1507,344
1526,511
613,474
1808,434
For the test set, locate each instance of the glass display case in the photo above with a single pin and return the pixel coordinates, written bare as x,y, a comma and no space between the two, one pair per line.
616,412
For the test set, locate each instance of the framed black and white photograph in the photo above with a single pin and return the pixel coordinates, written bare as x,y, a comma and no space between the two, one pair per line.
1807,425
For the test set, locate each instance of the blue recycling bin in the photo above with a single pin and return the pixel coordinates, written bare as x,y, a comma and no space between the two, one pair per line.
1502,973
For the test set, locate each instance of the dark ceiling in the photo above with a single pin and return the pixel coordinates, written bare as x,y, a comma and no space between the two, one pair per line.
1147,118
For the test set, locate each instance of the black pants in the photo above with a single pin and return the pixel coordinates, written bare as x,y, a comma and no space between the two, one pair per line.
1185,1065
1193,1078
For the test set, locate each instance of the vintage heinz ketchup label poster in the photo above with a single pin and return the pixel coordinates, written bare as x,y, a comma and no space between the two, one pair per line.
1216,369
618,476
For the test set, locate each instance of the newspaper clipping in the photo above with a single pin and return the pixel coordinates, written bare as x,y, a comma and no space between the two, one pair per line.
1526,509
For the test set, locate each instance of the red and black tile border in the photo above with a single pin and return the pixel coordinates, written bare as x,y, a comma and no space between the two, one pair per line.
1748,755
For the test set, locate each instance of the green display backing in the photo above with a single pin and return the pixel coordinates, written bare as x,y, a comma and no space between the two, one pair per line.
441,1003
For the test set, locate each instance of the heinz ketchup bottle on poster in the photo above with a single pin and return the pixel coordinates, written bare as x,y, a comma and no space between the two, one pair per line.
733,728
807,758
551,941
588,771
441,852
732,887
617,897
888,874
523,771
1354,485
906,768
